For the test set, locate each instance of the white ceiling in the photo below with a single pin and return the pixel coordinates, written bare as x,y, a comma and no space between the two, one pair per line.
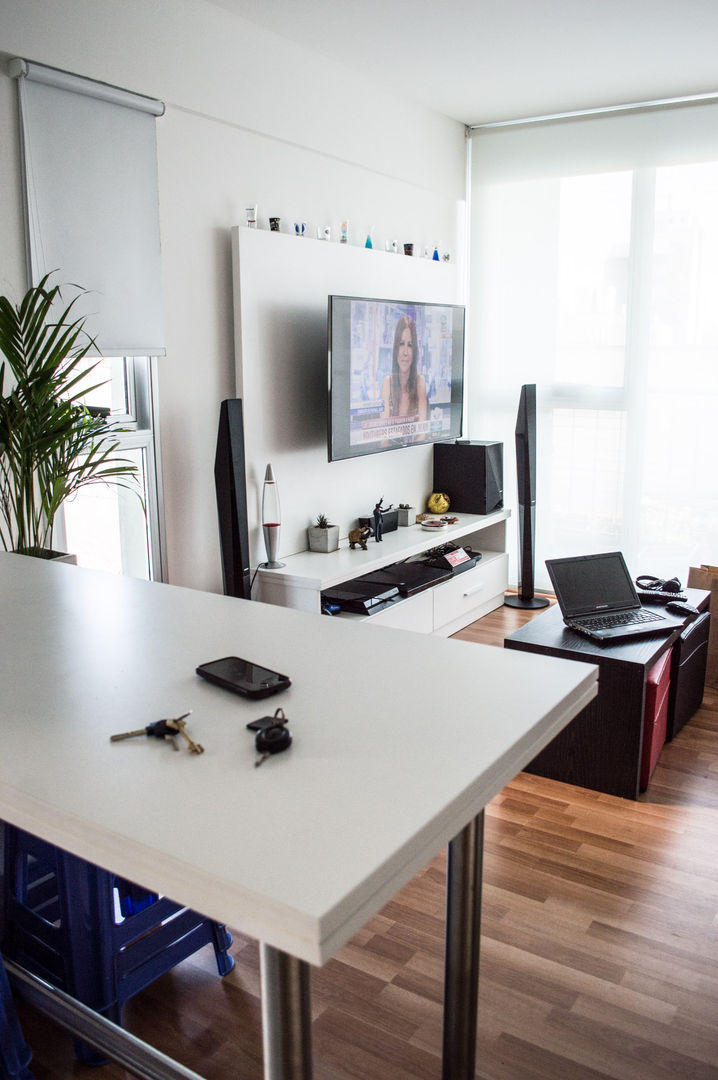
478,61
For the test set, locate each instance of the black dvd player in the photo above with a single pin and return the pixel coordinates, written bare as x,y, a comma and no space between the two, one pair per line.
408,577
379,588
360,596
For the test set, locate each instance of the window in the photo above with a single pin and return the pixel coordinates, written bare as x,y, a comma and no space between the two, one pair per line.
598,284
108,527
96,222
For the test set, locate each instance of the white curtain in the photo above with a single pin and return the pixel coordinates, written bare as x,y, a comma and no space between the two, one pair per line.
594,274
90,170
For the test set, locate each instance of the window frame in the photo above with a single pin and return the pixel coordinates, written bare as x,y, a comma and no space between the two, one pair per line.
140,431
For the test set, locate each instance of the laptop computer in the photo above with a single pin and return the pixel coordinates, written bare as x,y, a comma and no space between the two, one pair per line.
598,599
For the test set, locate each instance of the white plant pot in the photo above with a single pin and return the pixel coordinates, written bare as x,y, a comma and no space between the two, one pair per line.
323,539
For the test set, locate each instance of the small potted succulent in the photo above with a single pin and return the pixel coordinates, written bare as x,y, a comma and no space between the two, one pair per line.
322,536
407,514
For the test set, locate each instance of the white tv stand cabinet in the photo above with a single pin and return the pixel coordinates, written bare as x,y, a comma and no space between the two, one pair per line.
442,610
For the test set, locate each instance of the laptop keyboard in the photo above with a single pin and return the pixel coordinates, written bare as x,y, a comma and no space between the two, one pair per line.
622,618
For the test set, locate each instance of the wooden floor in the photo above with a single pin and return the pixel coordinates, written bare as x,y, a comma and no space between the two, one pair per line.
599,949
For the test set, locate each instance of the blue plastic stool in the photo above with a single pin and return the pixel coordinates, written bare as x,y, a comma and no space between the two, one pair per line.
95,935
14,1052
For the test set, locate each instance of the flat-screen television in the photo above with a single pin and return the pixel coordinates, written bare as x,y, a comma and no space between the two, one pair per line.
396,374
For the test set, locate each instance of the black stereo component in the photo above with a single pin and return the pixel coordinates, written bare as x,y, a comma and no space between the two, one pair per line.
376,590
389,521
360,597
231,488
526,493
453,558
408,577
471,474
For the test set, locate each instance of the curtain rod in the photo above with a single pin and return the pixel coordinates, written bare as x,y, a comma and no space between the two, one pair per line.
602,110
18,68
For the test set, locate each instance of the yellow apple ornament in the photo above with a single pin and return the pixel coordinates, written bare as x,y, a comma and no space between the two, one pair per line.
438,502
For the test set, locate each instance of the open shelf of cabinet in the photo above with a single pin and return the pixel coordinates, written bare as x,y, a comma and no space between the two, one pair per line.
443,609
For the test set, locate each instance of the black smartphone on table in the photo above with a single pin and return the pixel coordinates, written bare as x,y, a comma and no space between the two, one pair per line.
244,677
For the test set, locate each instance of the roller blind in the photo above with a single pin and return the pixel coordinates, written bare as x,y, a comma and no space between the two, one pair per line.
90,170
607,142
594,273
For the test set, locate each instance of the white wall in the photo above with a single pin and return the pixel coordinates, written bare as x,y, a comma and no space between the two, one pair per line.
250,118
281,290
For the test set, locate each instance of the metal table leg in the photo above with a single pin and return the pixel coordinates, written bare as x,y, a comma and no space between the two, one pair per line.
286,1012
286,1015
461,963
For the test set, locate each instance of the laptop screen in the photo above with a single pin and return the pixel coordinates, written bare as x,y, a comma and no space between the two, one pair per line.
592,584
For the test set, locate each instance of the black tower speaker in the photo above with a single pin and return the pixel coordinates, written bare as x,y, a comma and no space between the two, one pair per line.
526,477
231,486
471,474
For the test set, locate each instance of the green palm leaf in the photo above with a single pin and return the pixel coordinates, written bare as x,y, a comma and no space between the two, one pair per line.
51,445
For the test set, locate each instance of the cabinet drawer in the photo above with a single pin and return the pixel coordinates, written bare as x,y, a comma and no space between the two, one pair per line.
414,613
471,590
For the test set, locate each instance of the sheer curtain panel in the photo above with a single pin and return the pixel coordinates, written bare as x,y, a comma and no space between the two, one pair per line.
90,168
594,274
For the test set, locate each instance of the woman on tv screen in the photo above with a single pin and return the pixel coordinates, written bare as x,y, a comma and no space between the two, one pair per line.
404,390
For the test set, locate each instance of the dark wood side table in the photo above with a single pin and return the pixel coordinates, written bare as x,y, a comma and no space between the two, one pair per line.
601,747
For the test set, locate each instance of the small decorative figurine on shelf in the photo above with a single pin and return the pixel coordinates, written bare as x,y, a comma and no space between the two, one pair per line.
435,256
344,238
300,228
324,232
274,224
378,521
368,242
251,212
438,502
359,536
408,249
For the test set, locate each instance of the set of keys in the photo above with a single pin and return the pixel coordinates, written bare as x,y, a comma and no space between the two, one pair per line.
164,729
272,737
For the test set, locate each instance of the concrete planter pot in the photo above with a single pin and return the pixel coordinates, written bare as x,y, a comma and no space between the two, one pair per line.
407,515
323,539
50,555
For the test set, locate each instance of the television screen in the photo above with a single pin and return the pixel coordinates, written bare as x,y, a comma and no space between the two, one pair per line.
396,374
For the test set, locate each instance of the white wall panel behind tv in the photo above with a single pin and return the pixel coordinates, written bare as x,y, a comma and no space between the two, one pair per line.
281,287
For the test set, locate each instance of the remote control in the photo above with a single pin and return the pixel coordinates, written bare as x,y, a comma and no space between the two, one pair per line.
654,596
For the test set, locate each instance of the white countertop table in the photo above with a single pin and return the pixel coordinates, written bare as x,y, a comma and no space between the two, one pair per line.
399,741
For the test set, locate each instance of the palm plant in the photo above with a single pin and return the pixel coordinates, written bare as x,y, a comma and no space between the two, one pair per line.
51,444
